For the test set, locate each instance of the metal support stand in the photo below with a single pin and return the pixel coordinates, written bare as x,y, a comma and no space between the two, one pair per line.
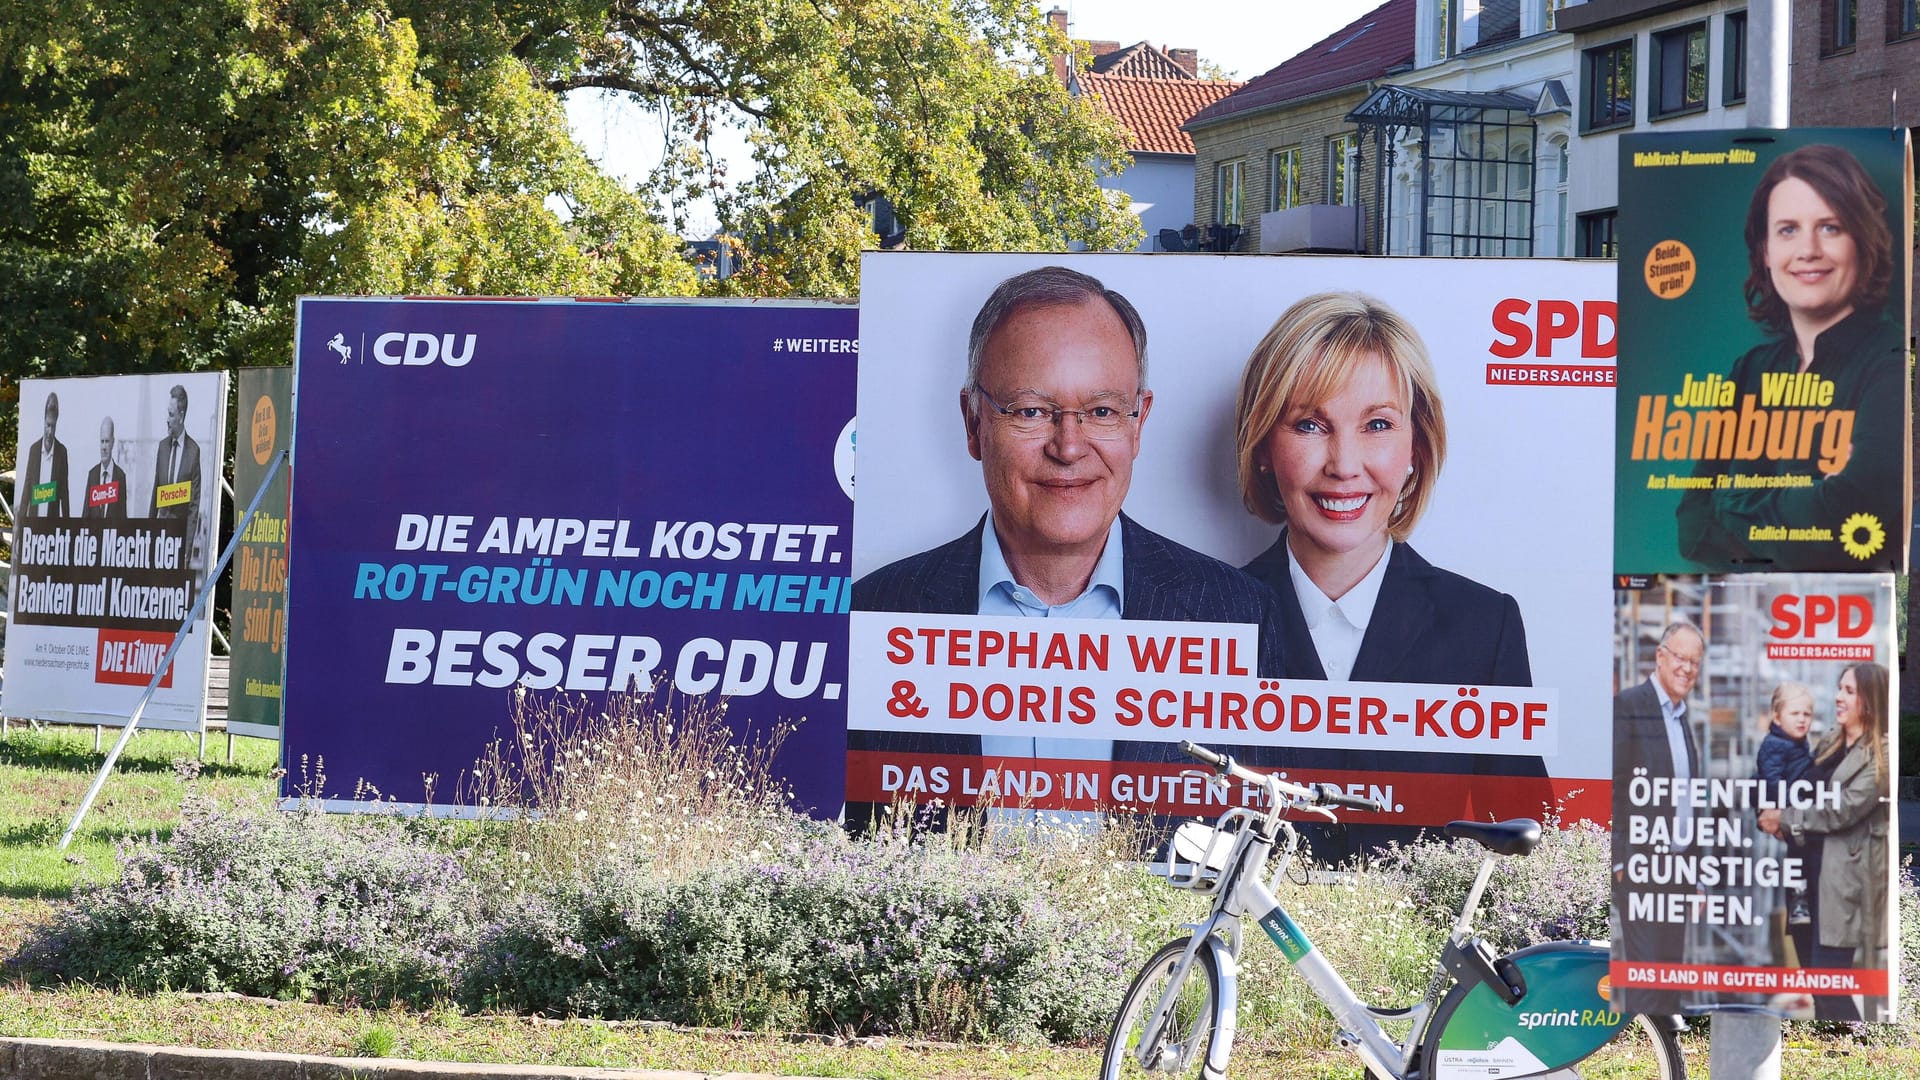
166,662
1744,1046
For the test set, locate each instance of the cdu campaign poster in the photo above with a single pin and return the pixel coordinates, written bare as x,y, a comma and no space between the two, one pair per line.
259,601
496,497
1755,740
116,499
1764,289
1091,525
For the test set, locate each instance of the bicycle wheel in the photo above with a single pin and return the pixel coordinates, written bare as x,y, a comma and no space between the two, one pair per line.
1184,1039
1641,1051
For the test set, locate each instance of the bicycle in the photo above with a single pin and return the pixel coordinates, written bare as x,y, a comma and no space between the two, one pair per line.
1541,1010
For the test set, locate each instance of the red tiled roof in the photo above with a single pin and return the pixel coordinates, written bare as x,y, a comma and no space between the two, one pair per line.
1152,110
1364,49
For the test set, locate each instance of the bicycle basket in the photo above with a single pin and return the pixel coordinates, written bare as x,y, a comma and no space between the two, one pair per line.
1198,855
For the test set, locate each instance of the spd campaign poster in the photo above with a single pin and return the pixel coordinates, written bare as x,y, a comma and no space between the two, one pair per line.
259,601
565,497
1422,401
1763,405
116,502
1754,832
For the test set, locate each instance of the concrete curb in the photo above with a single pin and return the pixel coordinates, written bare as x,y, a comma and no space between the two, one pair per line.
74,1059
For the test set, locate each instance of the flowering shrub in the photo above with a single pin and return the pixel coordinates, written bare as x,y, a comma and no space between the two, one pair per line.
1557,893
827,935
590,784
293,905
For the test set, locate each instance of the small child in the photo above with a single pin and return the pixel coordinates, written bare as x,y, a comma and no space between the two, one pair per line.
1786,755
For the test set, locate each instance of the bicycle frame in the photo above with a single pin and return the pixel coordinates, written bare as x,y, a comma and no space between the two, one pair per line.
1240,893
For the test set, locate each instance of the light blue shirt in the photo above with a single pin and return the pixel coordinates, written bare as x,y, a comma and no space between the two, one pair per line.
1674,713
1104,598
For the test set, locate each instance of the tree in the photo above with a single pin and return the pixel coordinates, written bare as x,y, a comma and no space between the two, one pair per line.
173,176
948,108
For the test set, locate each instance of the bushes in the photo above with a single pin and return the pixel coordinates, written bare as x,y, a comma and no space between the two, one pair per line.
1557,893
273,905
831,935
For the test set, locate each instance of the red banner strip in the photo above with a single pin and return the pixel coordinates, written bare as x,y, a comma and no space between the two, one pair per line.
1161,788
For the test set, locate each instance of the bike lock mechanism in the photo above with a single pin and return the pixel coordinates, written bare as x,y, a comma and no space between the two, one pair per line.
1472,962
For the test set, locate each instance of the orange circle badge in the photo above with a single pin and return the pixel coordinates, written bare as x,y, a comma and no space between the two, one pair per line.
263,429
1670,269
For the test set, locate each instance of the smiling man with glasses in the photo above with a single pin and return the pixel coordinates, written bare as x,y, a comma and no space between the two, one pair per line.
1653,729
1053,406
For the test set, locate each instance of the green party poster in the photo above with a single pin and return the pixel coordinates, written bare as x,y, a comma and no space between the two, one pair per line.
260,564
1763,378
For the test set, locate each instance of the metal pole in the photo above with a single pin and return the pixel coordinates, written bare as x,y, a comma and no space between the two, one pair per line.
160,670
1743,1044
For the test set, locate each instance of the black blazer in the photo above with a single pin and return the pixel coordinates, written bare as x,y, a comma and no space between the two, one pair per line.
62,504
1162,581
115,509
1429,626
1640,739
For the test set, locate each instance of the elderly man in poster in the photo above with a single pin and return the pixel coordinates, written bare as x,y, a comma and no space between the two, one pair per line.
1053,407
1653,730
106,482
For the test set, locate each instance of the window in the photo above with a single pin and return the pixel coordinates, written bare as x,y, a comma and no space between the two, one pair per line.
1342,160
1680,61
1903,18
1736,62
1837,24
1283,178
1596,235
1607,87
1229,187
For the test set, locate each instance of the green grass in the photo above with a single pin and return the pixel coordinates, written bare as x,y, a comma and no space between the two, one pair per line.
44,774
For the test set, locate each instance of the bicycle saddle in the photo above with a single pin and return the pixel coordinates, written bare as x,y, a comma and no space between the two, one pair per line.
1517,837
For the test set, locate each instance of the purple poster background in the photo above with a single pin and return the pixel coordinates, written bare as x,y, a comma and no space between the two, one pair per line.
704,450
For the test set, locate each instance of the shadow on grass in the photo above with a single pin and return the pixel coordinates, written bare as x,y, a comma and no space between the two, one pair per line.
68,756
28,891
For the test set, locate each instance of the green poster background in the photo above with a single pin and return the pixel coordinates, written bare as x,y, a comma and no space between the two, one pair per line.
259,566
1694,188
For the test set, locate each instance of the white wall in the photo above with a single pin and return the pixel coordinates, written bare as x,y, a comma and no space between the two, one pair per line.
1161,187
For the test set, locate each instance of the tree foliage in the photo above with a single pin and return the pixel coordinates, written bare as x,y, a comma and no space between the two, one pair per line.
173,176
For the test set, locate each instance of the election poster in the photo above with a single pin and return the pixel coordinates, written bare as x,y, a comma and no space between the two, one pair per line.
1754,832
496,499
115,499
1373,441
1763,406
259,602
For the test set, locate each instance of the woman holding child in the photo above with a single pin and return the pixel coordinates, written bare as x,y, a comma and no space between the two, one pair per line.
1852,836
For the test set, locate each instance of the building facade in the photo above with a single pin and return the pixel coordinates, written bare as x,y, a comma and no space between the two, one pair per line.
1645,65
1279,164
1152,92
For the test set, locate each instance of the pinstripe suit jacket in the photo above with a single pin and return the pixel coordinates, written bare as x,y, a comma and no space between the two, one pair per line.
1162,581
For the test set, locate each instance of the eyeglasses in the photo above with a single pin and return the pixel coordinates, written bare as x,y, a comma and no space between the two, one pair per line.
1028,417
1684,663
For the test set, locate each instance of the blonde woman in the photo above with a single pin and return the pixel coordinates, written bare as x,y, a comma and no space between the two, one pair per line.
1341,435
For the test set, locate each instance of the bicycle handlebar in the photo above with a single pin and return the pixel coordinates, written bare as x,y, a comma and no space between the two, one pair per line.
1310,794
